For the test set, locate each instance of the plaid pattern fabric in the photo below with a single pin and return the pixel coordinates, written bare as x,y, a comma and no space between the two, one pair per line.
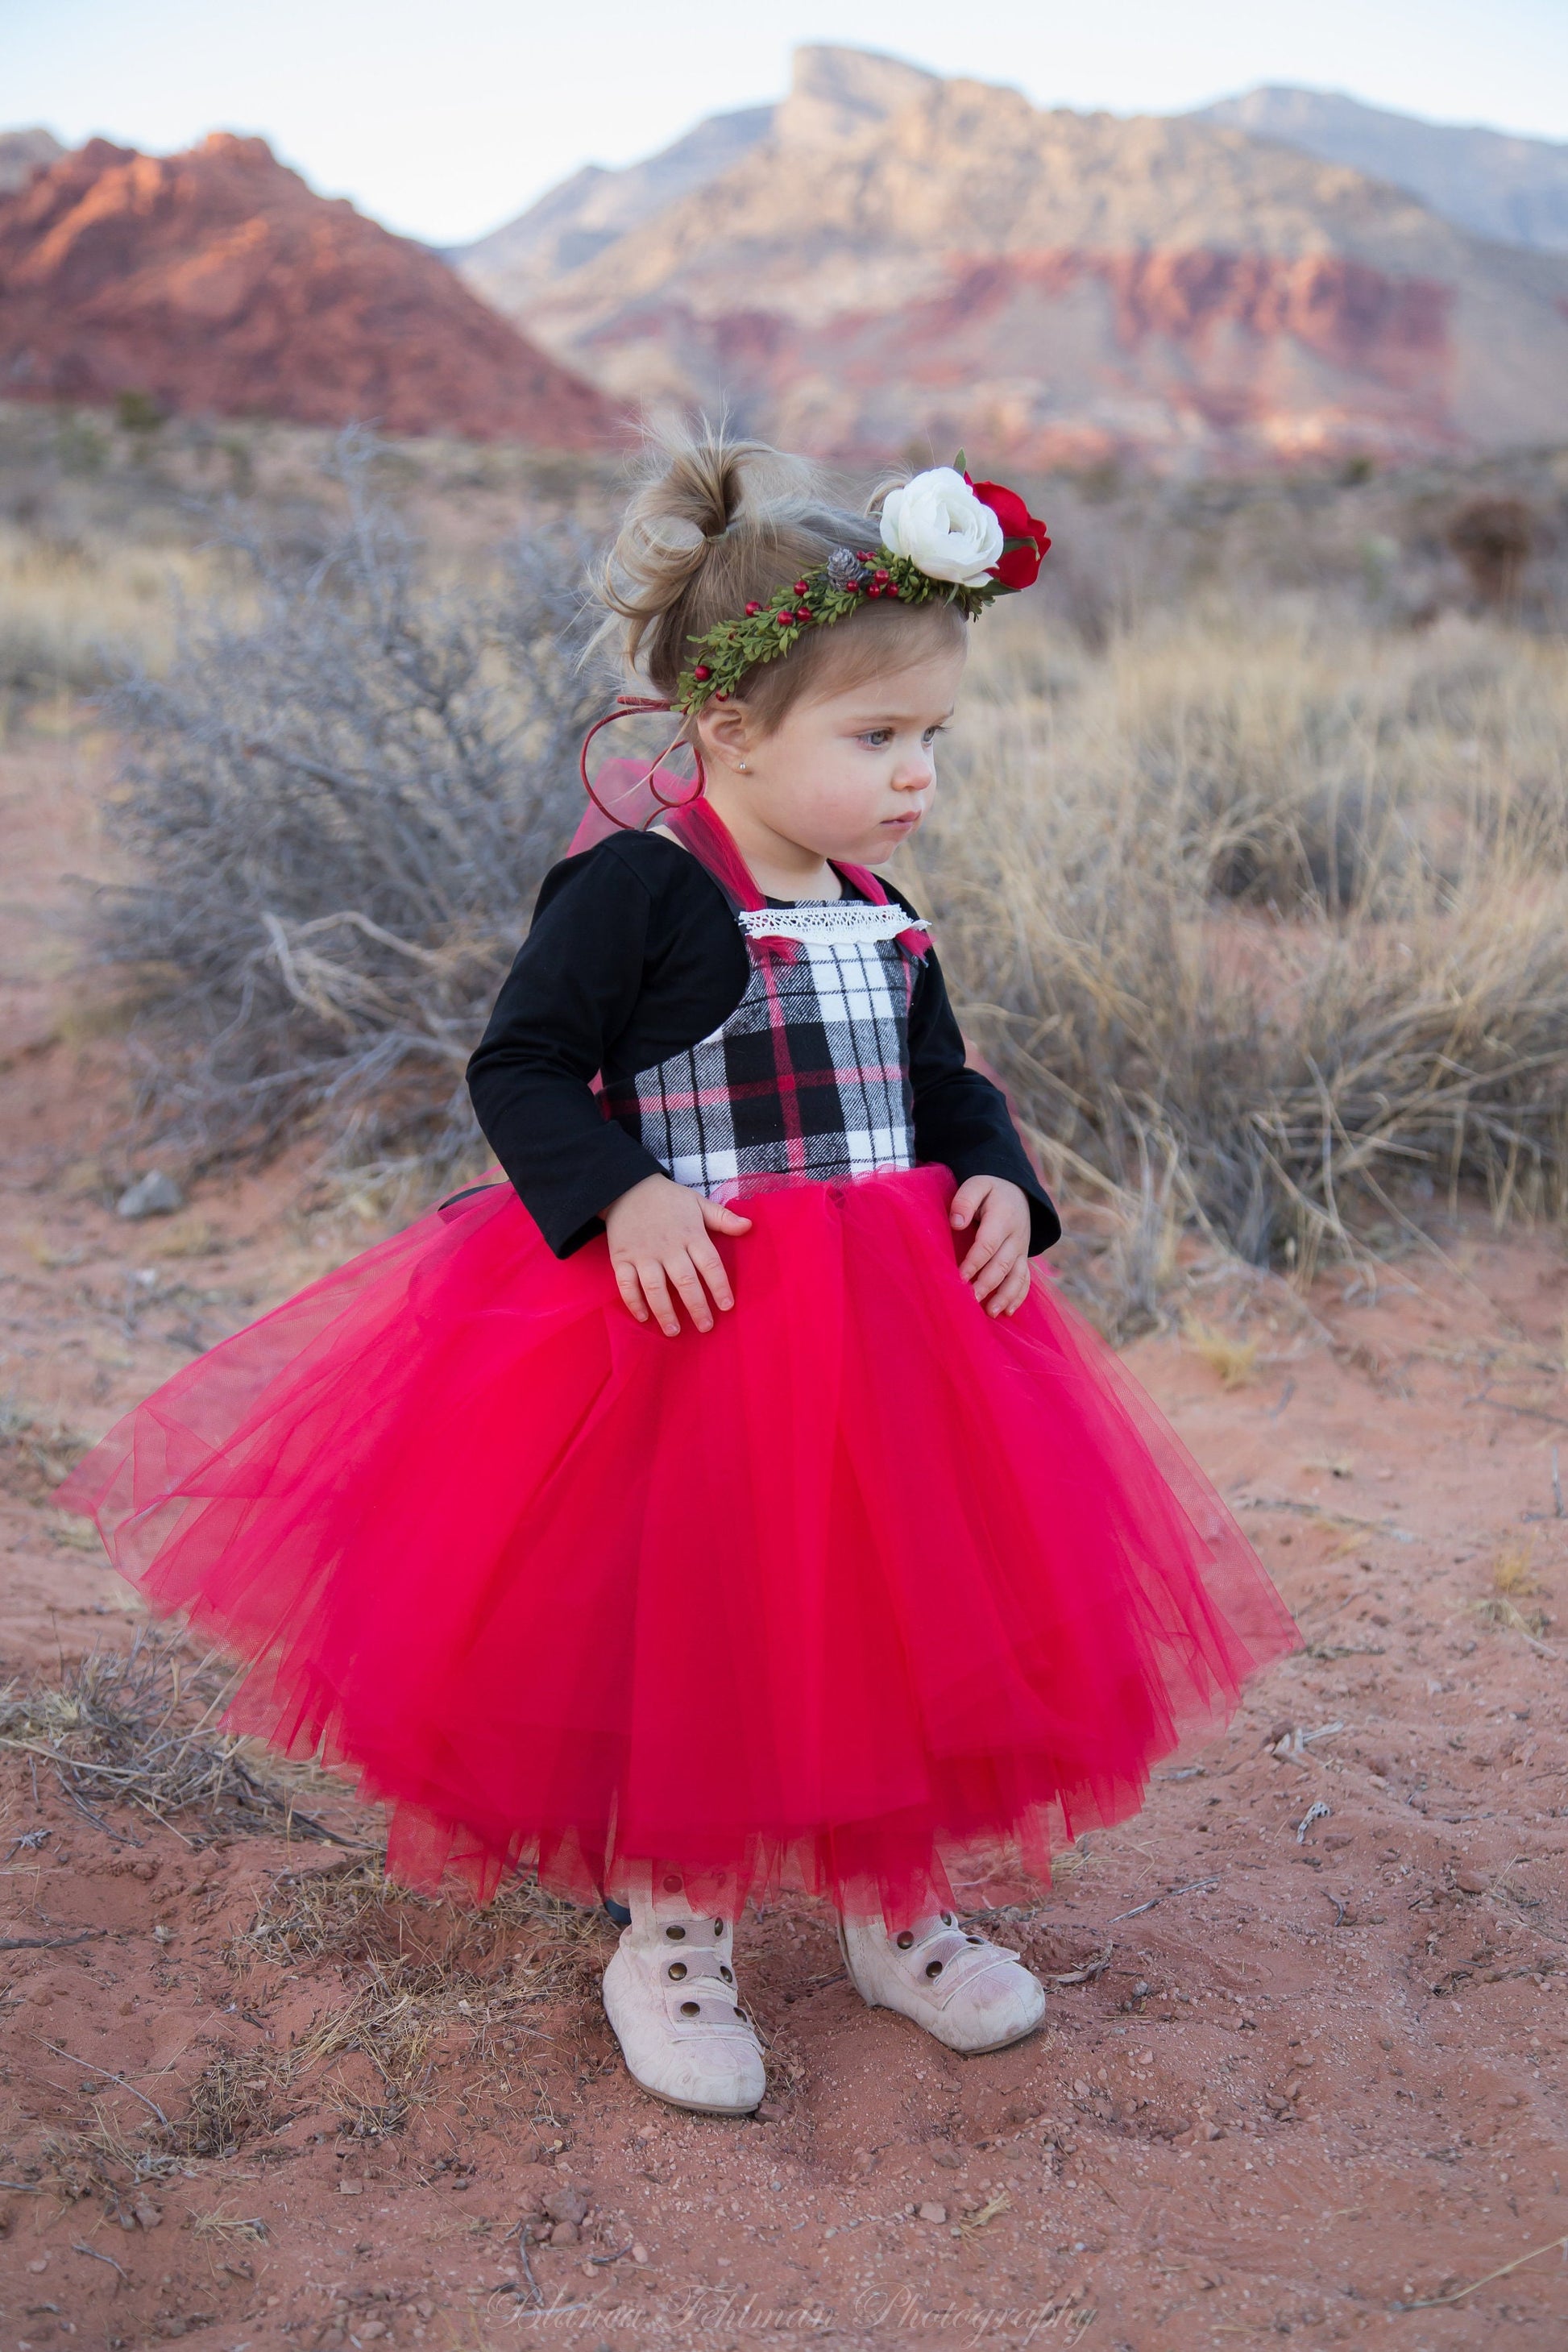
808,1077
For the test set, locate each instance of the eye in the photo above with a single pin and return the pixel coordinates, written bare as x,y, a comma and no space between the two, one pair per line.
876,737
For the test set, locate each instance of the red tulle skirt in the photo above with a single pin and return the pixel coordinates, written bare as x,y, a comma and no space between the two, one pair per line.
861,1592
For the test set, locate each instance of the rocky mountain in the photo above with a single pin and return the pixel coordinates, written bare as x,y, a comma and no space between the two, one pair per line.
836,95
897,263
217,280
1515,190
21,153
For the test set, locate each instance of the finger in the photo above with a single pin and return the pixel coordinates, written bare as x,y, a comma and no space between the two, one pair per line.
1011,1294
989,1236
967,1205
626,1283
719,1218
992,1276
710,1267
683,1273
656,1290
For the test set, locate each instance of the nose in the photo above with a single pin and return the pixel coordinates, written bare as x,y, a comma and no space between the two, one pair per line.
915,772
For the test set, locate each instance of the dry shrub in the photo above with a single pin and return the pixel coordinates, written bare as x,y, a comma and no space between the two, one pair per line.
341,805
135,1727
1281,915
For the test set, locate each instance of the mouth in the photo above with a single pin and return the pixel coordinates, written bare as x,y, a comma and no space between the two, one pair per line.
905,823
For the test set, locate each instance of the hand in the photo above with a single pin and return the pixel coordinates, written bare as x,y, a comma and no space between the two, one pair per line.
658,1243
998,1260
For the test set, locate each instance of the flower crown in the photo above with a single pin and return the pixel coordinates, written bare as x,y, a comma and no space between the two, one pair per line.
945,539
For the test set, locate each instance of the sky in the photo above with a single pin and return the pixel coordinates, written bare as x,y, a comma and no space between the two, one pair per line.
442,121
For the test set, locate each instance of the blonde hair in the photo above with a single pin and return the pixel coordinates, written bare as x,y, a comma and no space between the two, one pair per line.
721,523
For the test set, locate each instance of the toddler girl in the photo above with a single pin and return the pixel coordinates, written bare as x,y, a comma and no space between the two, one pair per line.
722,1504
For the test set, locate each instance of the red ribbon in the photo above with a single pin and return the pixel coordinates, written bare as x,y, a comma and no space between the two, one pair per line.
633,705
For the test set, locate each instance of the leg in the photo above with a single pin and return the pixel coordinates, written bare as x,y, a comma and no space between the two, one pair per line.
669,1993
971,1994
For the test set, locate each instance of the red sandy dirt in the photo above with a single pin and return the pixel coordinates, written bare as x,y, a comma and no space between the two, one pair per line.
1301,2071
217,282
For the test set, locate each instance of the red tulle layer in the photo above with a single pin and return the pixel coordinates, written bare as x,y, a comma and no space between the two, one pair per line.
862,1593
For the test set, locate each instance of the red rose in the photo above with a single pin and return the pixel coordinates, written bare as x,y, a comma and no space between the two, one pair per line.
1025,536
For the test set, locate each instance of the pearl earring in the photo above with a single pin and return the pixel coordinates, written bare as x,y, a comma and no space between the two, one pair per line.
741,765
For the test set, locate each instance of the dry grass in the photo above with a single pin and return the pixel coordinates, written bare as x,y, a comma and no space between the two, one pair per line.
36,1451
1267,915
1513,1571
135,1727
75,612
1233,1360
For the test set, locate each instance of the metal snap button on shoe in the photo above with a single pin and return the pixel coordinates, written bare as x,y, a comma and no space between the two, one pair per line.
905,1940
677,1969
690,2009
718,1927
933,1967
672,1884
675,1935
728,1975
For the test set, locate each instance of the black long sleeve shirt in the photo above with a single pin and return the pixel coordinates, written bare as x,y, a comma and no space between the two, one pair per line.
634,955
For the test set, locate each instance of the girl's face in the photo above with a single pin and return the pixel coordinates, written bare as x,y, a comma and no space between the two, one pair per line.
846,776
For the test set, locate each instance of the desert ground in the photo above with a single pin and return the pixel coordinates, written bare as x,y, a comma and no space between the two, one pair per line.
1303,2070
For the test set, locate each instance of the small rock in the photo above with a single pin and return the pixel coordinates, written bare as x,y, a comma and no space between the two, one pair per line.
640,2253
152,1196
1469,1882
147,2213
949,2158
931,2212
42,2264
568,2204
367,2330
564,2233
424,2307
768,2111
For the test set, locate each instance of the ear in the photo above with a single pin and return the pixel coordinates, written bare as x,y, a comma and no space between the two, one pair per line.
726,732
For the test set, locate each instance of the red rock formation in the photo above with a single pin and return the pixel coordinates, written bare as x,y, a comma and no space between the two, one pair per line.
217,280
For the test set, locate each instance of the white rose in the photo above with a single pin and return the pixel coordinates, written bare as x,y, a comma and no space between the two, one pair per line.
937,521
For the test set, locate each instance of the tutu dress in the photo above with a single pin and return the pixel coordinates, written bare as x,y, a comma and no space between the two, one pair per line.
863,1592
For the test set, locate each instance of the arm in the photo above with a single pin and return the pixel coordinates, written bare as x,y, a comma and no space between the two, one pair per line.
572,989
960,1118
570,992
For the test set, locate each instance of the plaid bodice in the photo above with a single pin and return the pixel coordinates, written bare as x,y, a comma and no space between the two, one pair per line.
809,1076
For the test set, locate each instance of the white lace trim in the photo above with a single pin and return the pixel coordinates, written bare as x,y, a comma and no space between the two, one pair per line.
830,918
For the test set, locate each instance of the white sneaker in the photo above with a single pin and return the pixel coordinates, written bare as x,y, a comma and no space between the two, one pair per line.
669,1993
971,1994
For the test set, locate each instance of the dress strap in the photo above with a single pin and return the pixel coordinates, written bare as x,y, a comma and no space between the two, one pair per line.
699,827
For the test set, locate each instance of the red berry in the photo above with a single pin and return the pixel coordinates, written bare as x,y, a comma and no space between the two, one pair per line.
803,613
873,590
751,609
880,576
720,694
800,587
891,589
701,671
862,555
784,619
